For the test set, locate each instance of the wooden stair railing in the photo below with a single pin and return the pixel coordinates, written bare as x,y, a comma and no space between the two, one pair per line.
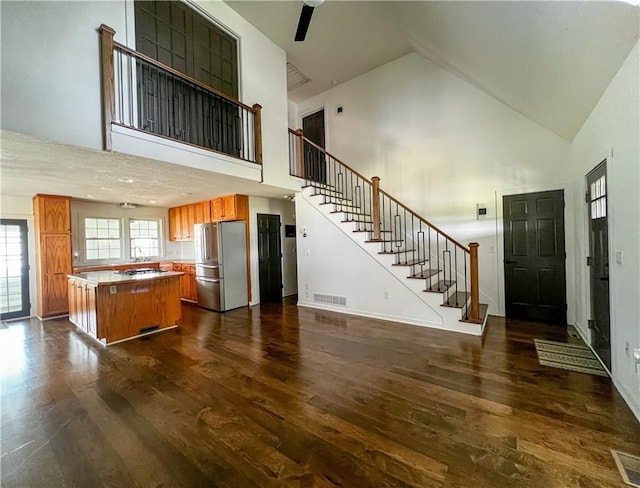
428,252
141,93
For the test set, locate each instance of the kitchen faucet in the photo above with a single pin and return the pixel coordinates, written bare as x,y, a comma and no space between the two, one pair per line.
137,254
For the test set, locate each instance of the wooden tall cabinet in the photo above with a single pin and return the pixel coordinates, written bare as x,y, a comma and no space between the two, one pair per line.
53,253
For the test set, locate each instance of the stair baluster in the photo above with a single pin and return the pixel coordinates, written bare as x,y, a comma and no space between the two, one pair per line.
398,230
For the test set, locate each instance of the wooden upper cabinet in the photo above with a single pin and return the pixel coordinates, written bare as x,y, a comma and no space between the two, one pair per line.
175,227
217,209
230,207
242,207
202,212
182,219
187,216
53,214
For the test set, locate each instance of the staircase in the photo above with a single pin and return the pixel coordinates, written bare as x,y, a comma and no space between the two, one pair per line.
434,267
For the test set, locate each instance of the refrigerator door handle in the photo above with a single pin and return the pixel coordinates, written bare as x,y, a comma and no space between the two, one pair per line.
209,280
205,242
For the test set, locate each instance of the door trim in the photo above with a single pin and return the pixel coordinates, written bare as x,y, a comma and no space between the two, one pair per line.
281,259
28,281
311,111
607,160
569,242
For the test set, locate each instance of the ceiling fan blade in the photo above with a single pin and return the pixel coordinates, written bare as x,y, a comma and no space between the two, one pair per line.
303,23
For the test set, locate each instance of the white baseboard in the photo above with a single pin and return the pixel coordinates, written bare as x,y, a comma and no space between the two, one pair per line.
371,315
380,316
633,403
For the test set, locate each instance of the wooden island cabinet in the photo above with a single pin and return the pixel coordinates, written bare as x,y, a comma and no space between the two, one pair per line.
113,307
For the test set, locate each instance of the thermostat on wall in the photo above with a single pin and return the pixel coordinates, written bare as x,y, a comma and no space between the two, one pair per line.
481,211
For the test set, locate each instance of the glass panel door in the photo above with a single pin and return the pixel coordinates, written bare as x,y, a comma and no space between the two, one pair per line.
14,269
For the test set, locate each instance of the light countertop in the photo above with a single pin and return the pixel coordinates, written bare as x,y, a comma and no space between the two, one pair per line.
107,277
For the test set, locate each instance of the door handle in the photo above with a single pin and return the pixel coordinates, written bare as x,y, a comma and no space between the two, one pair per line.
208,280
509,261
604,278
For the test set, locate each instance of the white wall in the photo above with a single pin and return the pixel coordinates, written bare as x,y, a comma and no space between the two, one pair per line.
440,145
331,263
51,73
286,210
51,70
21,208
612,131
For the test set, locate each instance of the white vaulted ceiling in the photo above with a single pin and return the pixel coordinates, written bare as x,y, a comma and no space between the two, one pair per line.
549,60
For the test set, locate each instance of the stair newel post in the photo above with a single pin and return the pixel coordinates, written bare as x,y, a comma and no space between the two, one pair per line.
375,207
108,84
474,313
300,154
257,132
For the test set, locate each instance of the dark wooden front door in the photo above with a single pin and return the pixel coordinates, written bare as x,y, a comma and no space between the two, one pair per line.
315,166
534,257
599,263
269,258
173,34
14,269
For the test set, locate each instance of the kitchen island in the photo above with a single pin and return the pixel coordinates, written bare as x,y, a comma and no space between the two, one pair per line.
113,306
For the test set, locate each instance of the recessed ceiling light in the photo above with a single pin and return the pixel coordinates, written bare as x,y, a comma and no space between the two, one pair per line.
152,201
106,188
91,196
128,205
187,193
125,180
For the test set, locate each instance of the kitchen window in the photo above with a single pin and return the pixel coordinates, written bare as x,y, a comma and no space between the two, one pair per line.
144,238
102,238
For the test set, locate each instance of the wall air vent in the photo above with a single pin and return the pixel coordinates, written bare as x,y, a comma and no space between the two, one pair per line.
295,78
330,299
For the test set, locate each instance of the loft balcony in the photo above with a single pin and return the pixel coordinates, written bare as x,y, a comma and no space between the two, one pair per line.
153,110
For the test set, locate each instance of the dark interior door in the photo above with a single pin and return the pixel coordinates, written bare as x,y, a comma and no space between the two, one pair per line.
173,34
315,167
270,258
534,257
599,263
14,269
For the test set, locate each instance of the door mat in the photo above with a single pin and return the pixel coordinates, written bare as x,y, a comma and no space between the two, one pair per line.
572,357
629,467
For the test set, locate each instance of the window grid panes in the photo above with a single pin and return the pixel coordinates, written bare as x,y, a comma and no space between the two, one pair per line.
144,238
598,196
102,238
11,266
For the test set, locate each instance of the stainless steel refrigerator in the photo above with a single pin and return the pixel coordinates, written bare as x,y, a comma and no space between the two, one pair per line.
221,265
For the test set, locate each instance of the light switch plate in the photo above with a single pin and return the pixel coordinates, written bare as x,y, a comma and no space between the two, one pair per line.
619,257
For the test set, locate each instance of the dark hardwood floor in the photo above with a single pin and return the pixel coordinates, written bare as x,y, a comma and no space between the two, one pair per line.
276,396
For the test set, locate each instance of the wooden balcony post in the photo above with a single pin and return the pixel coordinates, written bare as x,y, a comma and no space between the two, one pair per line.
474,310
375,207
300,154
257,131
108,84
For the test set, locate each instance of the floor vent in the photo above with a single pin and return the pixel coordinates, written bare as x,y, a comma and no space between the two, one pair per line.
330,299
